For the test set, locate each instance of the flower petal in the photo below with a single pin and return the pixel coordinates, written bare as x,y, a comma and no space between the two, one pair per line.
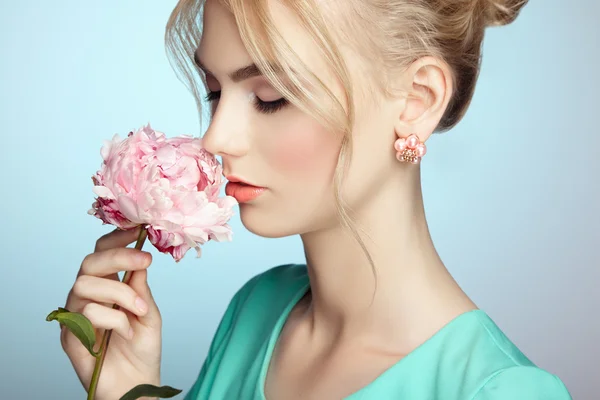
103,191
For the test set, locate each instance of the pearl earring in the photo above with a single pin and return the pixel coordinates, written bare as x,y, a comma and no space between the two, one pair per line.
410,149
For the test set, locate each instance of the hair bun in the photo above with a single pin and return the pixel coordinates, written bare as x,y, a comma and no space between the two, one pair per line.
502,12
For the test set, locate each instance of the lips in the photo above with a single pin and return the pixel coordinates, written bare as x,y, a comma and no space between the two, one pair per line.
241,190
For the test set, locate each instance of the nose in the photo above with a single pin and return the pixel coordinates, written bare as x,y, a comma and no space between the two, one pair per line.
227,134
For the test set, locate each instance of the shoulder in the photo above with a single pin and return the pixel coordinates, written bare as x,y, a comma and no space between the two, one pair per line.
263,297
280,282
479,362
523,382
258,304
506,373
246,325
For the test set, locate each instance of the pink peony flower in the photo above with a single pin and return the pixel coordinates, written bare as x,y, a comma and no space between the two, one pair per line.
170,186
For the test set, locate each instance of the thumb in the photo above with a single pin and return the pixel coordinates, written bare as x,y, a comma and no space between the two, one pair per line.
139,283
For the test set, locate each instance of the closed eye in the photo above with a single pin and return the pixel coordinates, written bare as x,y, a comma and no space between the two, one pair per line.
264,107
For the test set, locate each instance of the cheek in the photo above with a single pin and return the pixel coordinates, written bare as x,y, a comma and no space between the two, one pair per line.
305,150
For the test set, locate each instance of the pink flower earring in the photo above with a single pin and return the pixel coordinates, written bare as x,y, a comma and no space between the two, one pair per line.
410,149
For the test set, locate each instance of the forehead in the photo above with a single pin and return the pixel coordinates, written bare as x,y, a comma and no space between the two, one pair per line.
222,49
220,43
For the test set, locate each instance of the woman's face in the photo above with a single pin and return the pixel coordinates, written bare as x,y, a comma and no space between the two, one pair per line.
267,142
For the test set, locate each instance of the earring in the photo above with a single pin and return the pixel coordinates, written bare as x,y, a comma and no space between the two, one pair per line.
410,149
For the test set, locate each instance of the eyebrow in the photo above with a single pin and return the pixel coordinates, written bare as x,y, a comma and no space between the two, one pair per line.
241,74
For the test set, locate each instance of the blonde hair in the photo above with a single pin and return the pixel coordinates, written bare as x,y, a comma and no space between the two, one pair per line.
400,32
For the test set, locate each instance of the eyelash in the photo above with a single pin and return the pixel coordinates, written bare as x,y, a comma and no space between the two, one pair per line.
265,107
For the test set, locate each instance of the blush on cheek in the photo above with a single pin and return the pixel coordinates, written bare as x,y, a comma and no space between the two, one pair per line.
305,151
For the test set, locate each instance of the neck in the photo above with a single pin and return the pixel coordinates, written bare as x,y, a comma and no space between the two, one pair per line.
407,286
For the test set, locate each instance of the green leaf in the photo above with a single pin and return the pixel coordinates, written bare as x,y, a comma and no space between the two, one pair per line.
78,324
163,392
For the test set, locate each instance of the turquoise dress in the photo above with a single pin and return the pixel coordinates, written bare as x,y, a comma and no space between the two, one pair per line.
468,359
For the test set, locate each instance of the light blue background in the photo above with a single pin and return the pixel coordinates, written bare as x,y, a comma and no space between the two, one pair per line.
512,194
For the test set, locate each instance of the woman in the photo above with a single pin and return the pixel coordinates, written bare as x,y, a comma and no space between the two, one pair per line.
320,113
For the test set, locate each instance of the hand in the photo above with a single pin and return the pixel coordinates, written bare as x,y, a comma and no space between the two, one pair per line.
134,353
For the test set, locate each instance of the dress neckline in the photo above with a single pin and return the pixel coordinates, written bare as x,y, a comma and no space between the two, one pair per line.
274,336
276,332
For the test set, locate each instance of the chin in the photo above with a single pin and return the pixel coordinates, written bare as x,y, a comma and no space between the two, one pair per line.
265,224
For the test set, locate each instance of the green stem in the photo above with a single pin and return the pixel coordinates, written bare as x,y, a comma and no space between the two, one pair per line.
107,333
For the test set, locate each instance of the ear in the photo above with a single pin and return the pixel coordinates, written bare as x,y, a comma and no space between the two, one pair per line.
427,83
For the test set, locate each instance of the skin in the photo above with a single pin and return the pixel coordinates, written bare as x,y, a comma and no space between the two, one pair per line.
130,360
351,326
339,337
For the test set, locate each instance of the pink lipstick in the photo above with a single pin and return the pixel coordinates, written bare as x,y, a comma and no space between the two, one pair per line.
241,190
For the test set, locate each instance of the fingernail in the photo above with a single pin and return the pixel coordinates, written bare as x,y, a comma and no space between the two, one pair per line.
130,334
141,304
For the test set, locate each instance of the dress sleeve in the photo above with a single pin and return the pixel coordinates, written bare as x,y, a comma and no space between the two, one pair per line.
523,383
217,341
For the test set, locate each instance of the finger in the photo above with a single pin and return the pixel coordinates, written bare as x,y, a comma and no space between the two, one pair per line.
113,260
117,238
107,318
102,290
139,283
